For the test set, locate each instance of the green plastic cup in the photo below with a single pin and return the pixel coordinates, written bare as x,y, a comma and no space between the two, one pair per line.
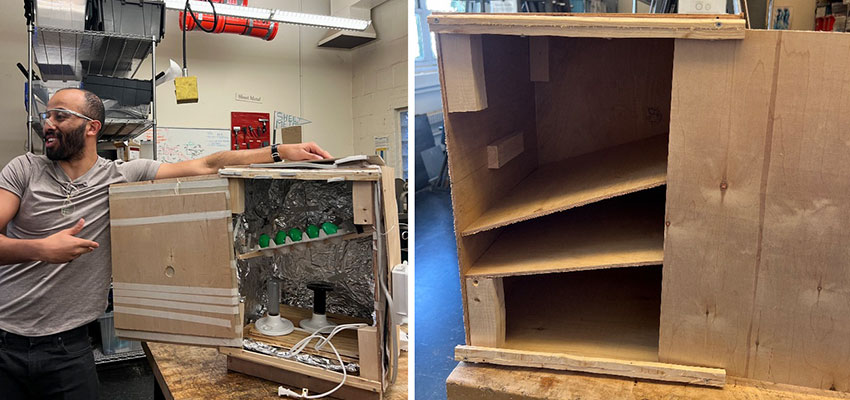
280,237
264,240
312,231
295,234
329,228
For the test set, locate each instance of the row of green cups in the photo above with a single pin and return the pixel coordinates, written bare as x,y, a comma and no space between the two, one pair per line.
296,235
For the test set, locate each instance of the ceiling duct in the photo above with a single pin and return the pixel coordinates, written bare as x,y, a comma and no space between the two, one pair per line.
346,39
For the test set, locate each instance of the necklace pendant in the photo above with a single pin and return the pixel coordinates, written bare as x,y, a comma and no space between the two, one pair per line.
67,208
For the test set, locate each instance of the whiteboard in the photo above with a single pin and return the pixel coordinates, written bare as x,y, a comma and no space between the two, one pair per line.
181,144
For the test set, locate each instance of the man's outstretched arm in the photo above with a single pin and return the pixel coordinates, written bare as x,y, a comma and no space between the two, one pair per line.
212,163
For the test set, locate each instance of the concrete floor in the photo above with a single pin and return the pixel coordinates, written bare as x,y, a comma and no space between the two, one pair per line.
439,312
126,380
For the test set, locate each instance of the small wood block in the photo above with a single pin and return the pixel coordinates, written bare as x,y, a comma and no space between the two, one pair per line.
598,365
539,55
463,70
290,135
485,301
367,343
237,195
504,150
363,203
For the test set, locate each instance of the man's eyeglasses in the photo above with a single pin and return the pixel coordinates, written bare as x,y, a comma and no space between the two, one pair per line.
58,115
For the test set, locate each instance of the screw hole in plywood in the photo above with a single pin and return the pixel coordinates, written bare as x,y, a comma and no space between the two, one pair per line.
475,282
169,271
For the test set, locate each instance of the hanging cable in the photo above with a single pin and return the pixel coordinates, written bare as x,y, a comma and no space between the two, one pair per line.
187,11
322,341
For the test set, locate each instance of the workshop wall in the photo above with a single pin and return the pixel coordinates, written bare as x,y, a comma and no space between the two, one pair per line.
380,83
290,74
13,42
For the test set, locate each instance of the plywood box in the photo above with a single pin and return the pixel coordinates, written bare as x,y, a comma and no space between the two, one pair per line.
676,210
175,271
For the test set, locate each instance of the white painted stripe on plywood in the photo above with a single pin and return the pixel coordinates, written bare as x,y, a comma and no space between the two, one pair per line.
162,219
177,305
175,186
173,315
177,289
191,298
174,338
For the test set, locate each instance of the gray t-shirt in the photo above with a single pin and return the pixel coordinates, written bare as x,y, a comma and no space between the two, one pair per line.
38,298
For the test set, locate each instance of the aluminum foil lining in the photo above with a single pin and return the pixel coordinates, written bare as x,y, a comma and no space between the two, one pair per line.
318,361
276,204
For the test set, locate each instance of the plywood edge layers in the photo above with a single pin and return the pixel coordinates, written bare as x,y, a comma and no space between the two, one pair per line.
633,369
626,26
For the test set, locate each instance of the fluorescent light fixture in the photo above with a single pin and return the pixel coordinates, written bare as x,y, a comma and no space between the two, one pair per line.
286,17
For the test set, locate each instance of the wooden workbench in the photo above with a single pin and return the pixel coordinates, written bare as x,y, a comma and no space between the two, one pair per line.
493,382
189,372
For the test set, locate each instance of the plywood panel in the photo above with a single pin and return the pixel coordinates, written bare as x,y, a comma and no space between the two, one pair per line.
622,232
593,25
486,302
768,298
597,365
602,93
178,243
510,109
495,382
713,193
578,181
464,73
801,324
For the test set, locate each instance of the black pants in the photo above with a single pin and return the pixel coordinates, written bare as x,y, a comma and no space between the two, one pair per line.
59,366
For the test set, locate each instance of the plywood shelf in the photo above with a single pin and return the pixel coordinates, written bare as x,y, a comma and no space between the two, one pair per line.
345,341
578,181
681,26
621,232
612,313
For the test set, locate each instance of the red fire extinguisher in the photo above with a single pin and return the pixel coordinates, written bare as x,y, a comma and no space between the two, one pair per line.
241,26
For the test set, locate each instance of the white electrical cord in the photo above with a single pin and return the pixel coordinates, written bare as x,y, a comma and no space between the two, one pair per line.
298,347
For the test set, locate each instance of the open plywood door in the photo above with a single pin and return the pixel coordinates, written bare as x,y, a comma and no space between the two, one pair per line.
756,271
174,278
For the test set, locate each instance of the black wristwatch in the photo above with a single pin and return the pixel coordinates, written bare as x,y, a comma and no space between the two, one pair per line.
275,154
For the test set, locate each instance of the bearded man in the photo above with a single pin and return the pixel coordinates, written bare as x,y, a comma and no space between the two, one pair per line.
55,260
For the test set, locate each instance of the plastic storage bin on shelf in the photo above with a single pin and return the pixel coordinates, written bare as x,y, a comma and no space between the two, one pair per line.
111,343
136,17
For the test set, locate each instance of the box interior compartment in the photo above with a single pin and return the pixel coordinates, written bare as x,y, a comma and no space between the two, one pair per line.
347,262
610,313
572,222
595,126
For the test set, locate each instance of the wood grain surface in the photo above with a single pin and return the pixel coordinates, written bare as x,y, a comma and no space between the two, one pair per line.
756,276
494,382
188,372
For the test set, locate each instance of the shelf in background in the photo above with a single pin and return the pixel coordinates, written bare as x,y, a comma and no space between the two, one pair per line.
114,129
610,313
100,358
578,181
622,232
64,54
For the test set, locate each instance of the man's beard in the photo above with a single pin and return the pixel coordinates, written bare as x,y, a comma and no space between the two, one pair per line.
70,145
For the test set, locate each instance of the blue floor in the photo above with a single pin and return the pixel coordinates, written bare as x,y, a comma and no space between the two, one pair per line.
439,312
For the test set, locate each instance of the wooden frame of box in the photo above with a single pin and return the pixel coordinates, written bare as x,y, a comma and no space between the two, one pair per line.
589,153
174,272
